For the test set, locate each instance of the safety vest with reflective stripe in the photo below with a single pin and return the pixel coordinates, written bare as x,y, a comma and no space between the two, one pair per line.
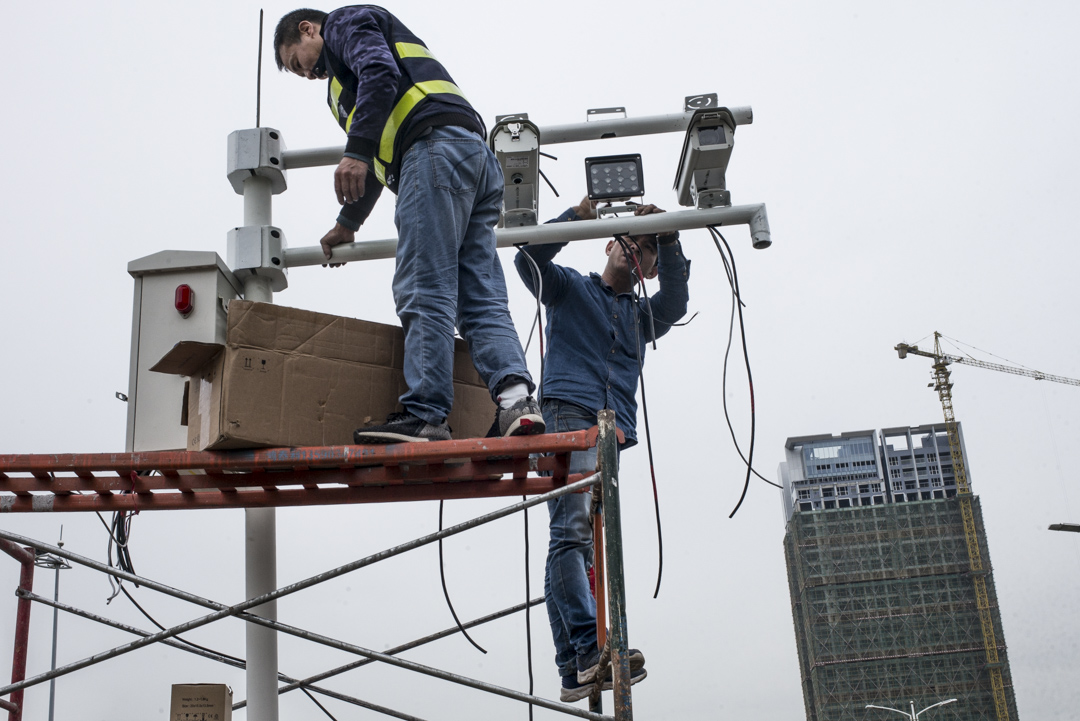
424,82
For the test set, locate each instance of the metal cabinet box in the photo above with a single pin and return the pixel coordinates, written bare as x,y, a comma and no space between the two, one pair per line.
156,400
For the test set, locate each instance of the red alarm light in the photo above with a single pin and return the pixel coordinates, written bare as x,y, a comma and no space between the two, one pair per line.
184,300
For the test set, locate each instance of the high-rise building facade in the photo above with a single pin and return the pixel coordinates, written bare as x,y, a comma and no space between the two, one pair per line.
885,608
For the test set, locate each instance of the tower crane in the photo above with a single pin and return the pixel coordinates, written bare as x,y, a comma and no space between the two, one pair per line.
903,349
943,386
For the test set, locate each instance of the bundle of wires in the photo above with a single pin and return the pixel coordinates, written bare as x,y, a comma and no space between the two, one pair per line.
119,537
728,259
639,277
537,321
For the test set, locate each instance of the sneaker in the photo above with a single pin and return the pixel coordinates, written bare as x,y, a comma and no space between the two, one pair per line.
589,665
402,428
574,691
521,419
636,674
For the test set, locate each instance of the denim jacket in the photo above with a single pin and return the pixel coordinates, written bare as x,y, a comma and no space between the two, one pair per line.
596,336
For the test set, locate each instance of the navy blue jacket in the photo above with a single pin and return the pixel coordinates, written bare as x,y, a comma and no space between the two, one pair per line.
595,336
386,74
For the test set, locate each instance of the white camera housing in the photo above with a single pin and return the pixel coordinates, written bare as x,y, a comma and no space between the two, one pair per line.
516,142
700,180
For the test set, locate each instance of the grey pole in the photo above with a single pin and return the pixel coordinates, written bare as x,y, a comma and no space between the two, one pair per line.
617,637
549,134
751,215
260,524
57,564
55,624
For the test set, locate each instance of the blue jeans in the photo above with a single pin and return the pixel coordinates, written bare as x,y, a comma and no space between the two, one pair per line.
570,604
448,271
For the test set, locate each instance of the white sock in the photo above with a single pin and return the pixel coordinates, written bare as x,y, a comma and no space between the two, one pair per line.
512,394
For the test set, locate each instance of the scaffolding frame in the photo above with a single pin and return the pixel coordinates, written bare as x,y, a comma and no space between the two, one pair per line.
248,479
260,481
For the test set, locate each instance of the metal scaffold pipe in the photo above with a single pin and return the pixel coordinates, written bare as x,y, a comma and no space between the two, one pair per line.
618,640
227,660
292,686
25,557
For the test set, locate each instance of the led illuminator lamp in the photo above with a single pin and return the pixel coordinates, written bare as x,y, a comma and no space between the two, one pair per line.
614,178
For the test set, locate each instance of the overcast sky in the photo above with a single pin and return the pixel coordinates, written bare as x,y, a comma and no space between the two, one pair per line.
918,164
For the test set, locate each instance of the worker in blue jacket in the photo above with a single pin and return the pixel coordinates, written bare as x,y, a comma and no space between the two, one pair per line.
597,333
411,129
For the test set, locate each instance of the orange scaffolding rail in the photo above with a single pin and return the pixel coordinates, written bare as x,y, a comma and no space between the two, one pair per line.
324,475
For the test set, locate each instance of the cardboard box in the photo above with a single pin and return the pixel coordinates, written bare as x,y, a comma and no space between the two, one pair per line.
201,702
289,377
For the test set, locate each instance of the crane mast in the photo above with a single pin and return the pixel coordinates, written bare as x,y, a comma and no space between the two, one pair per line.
943,386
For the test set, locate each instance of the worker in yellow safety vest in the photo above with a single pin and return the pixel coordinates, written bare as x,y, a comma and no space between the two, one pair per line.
411,129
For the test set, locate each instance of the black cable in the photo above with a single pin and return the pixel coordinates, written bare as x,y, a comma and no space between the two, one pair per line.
685,322
122,534
723,376
652,472
538,323
184,641
119,533
635,271
746,359
234,659
549,185
316,702
446,594
528,610
645,407
538,282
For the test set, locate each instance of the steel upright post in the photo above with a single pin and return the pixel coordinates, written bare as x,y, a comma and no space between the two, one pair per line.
617,638
24,556
260,530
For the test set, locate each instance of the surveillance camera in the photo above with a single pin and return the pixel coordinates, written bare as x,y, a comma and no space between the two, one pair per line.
700,180
516,142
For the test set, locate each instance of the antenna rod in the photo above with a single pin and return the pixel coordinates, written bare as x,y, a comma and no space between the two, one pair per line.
258,73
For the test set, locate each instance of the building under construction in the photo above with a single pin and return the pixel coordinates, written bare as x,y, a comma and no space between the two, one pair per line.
885,603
